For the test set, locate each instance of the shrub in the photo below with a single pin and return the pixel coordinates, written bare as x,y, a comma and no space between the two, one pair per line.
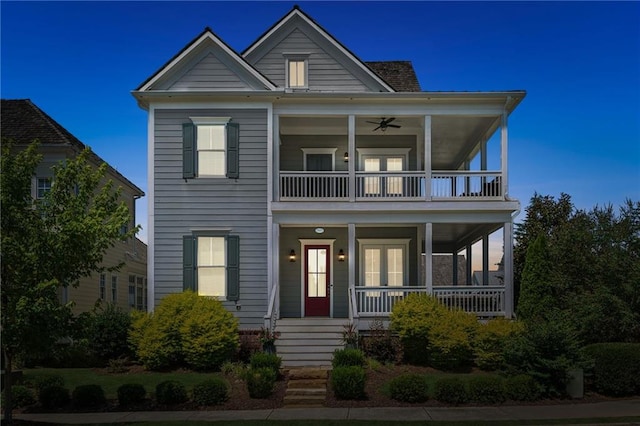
450,337
42,381
265,360
380,344
521,388
171,392
409,388
411,318
185,329
21,396
54,396
117,366
260,382
348,358
490,340
237,369
249,344
86,396
486,389
108,332
348,382
450,390
616,368
131,394
211,392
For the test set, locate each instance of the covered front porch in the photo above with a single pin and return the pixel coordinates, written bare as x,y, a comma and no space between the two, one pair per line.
359,271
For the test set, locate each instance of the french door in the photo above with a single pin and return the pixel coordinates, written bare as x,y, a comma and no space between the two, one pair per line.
383,185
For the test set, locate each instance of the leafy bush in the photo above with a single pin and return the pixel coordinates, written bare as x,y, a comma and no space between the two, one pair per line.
237,369
86,396
348,358
131,394
260,382
171,392
521,388
381,344
348,382
21,396
249,344
486,389
108,332
211,392
185,329
451,390
616,368
409,388
117,366
265,360
411,318
450,337
54,396
42,381
490,340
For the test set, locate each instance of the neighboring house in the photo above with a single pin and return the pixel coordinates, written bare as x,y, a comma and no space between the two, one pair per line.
302,186
23,121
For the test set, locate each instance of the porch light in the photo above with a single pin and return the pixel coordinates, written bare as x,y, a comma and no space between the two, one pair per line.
292,255
346,157
341,256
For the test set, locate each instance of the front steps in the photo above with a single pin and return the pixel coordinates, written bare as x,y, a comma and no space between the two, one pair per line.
309,342
307,388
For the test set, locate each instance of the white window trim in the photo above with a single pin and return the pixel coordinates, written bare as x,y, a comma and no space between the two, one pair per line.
364,152
210,121
296,57
364,242
331,151
314,242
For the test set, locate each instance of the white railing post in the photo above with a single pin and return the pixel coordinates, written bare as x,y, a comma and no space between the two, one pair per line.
352,157
428,257
427,157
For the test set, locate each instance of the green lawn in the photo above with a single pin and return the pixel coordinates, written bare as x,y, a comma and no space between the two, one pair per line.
110,382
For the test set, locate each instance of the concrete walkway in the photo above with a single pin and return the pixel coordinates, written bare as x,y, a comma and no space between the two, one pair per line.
618,408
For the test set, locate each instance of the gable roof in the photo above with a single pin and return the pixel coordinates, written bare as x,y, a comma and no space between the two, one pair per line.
22,121
297,12
206,34
399,74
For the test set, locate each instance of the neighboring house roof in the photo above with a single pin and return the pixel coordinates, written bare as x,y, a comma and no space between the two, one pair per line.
399,74
296,11
495,278
206,34
22,121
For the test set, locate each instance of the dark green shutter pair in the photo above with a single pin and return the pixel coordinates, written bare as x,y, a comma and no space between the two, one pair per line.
189,151
189,250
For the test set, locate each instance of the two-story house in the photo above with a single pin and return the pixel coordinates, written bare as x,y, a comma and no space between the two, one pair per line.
23,122
308,189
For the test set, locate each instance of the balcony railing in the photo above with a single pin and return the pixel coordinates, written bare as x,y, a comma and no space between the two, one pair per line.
406,185
487,301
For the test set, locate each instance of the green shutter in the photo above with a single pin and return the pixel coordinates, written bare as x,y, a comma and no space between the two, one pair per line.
233,150
233,267
188,263
188,150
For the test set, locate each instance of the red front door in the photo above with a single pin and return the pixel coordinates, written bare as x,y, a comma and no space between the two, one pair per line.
316,281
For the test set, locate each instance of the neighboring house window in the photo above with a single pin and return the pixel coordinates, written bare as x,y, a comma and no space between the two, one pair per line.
43,186
297,73
132,291
211,265
383,262
140,305
210,148
102,287
114,288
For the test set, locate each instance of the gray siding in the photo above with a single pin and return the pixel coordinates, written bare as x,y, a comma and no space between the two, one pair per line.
325,72
291,273
214,203
209,74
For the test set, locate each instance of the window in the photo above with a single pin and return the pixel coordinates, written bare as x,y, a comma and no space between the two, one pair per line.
132,291
384,263
102,287
210,148
114,288
211,265
297,73
43,186
382,164
140,294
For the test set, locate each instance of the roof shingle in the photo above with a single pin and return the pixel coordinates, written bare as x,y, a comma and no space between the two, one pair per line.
398,74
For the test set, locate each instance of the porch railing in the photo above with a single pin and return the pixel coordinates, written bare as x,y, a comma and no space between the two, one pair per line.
467,183
395,185
480,300
310,185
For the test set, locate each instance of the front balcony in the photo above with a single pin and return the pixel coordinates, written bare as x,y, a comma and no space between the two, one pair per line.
397,186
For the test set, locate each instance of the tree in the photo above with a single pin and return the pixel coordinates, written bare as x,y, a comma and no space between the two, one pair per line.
536,292
50,243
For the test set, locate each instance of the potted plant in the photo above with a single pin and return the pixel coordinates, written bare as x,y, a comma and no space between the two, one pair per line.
268,339
350,336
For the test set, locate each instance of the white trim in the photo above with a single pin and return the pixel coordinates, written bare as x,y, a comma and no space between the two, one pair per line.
208,35
210,121
313,242
296,57
331,151
150,210
364,242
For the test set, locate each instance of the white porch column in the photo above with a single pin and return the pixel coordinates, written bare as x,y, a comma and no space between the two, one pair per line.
485,260
428,257
352,254
427,157
469,265
275,271
508,269
455,267
352,158
504,137
273,159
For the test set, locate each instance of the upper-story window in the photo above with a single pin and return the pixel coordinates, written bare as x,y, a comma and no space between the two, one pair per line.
210,148
43,186
297,71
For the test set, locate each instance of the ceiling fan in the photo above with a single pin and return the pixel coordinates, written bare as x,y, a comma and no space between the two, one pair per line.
384,123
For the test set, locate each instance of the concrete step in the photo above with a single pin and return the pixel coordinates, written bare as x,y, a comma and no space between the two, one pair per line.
284,349
305,335
326,356
307,401
312,321
308,341
307,374
306,392
308,384
315,328
305,363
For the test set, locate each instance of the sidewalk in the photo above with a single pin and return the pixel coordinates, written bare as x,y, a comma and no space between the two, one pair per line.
619,408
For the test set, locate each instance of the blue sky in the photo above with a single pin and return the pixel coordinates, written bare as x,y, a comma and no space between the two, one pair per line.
577,131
